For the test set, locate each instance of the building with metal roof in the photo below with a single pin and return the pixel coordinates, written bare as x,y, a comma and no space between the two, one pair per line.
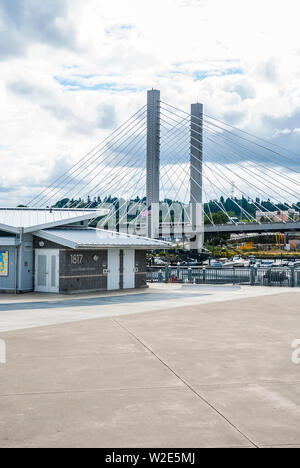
98,238
30,220
55,251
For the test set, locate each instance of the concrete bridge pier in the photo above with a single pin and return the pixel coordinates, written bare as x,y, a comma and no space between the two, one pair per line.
196,182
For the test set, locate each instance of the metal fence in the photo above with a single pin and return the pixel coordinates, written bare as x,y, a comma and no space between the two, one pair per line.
285,277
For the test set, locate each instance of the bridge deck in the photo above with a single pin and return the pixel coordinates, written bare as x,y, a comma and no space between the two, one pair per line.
252,227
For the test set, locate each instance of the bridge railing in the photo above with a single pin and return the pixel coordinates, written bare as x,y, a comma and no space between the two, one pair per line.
282,277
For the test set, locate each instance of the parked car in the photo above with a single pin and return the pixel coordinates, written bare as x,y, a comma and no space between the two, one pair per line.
159,261
191,262
294,264
217,265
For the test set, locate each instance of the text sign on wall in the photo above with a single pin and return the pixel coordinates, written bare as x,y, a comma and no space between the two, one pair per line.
4,262
77,259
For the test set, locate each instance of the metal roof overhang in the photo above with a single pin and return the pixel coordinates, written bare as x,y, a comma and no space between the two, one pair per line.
6,228
53,224
149,244
63,222
8,241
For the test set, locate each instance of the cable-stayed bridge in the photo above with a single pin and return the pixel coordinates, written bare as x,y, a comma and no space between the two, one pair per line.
168,173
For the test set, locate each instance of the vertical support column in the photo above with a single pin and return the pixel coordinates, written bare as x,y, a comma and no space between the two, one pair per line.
153,162
196,177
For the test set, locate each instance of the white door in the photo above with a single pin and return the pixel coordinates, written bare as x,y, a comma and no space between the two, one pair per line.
47,271
129,269
113,275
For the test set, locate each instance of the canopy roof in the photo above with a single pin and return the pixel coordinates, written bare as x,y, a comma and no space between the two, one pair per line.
99,238
31,220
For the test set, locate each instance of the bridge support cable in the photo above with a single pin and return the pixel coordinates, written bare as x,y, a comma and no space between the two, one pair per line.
221,127
248,215
257,177
168,159
166,171
172,148
192,158
163,177
110,177
223,192
239,152
180,145
220,130
249,155
262,179
94,159
259,155
251,173
186,180
127,162
196,182
90,157
118,179
249,151
182,128
171,145
127,150
209,214
254,163
182,167
175,162
222,175
255,136
91,170
253,143
136,189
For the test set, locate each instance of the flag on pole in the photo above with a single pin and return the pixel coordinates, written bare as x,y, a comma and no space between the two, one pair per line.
147,212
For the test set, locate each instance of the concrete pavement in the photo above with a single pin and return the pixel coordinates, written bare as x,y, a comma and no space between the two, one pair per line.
35,310
207,373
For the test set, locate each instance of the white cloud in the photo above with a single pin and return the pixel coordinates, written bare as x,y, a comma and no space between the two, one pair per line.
72,70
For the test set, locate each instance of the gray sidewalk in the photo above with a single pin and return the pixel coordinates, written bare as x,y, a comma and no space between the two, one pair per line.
35,310
218,374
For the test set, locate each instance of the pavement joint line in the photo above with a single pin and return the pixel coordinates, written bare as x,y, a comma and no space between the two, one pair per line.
52,356
249,384
95,390
280,445
189,386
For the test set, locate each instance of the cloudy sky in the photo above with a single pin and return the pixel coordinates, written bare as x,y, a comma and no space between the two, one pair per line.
72,70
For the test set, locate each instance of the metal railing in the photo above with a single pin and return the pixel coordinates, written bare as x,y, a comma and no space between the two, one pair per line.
284,277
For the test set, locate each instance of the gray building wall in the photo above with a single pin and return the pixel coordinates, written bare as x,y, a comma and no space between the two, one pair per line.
20,258
25,261
141,265
87,274
8,283
82,270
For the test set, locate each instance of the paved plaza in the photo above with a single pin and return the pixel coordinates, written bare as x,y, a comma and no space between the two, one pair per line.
168,367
